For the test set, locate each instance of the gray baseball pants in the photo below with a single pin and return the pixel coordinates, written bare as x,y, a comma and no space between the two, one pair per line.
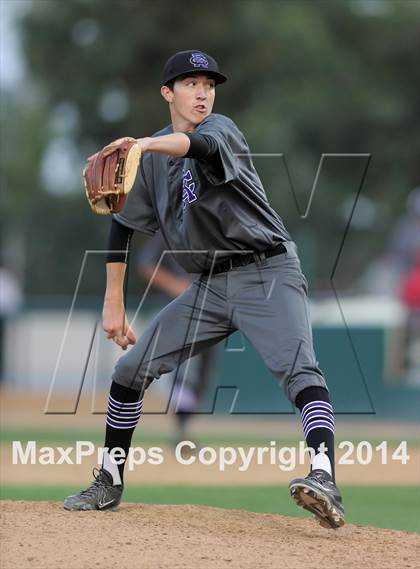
266,300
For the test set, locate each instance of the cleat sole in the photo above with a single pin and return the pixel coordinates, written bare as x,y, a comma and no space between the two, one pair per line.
318,504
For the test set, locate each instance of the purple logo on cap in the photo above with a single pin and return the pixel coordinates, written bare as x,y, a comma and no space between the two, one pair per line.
199,60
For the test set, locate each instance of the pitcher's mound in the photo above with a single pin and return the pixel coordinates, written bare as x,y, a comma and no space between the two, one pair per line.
42,534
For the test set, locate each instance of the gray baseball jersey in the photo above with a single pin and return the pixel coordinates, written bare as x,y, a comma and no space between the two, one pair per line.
151,254
212,206
203,207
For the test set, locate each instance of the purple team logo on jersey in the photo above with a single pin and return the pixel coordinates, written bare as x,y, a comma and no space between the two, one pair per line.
188,188
199,60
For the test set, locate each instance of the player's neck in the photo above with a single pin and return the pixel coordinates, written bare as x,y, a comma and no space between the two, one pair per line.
182,126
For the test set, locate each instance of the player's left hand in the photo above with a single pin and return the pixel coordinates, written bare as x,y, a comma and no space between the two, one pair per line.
116,326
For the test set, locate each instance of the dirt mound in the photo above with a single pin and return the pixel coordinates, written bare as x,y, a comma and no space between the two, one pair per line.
42,534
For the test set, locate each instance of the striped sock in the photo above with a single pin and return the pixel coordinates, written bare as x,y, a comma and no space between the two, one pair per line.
316,415
124,410
122,415
318,425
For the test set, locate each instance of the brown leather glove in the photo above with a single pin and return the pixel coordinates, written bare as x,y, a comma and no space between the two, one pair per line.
110,175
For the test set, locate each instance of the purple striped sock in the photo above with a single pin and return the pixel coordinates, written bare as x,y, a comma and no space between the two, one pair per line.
317,420
315,415
124,411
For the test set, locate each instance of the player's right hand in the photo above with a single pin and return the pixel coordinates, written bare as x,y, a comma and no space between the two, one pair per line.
115,324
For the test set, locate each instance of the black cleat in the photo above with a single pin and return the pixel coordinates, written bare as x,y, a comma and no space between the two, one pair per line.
101,494
318,494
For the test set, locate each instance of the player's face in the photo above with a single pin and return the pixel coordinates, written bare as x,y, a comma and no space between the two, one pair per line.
193,98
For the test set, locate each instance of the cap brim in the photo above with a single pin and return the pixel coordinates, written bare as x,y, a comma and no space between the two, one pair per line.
218,77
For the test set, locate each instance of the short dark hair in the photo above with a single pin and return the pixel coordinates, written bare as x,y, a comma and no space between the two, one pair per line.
170,84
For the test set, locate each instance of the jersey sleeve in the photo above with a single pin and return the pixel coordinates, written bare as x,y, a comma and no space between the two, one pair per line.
138,212
223,166
119,242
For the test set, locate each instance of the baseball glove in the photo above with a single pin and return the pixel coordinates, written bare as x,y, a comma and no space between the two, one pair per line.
110,175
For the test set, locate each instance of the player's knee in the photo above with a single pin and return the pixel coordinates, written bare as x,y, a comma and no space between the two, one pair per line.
133,377
130,373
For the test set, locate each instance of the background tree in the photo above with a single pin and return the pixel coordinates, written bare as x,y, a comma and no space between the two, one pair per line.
305,78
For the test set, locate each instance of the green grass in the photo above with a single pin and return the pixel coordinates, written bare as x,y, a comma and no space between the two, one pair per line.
46,436
394,507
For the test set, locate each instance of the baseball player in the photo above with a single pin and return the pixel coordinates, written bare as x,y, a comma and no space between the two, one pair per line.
197,184
188,381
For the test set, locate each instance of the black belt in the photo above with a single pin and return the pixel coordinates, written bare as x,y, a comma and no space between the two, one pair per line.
242,260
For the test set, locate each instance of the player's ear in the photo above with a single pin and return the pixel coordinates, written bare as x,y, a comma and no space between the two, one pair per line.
167,93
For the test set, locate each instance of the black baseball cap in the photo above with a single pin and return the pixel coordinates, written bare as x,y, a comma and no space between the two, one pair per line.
189,62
